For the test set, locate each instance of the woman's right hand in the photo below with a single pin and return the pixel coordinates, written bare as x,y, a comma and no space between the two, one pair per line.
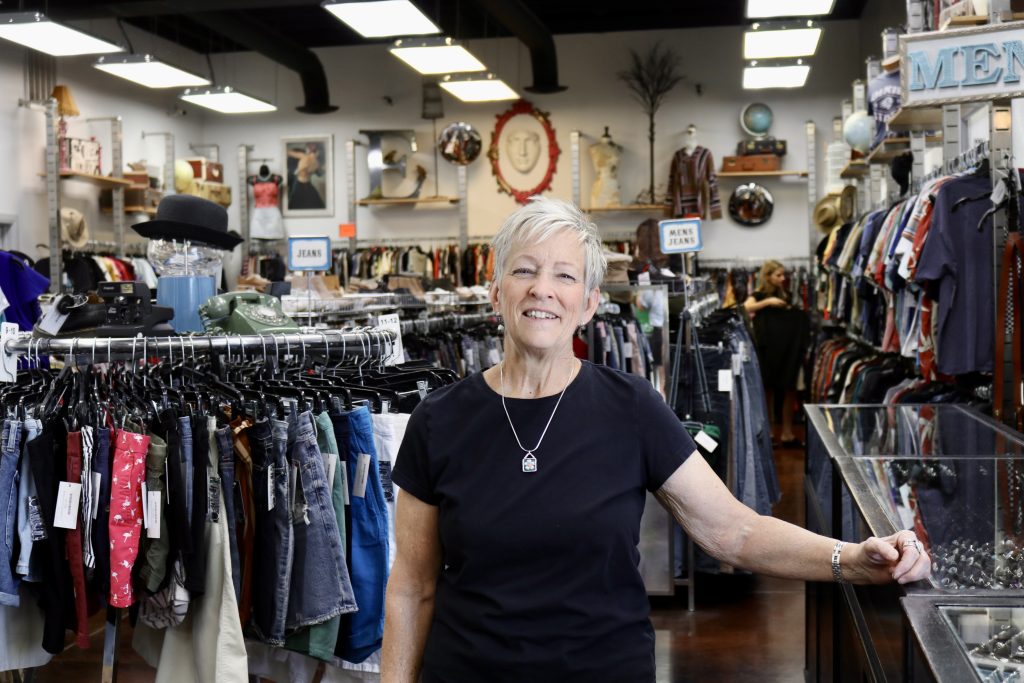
776,302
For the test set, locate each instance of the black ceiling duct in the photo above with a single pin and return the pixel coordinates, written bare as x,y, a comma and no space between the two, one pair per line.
524,24
237,27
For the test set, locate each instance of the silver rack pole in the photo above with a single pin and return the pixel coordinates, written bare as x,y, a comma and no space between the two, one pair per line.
368,343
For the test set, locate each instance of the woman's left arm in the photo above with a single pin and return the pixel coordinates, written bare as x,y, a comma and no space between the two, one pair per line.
733,533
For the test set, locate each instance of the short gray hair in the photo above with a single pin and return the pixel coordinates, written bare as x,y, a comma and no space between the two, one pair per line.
542,218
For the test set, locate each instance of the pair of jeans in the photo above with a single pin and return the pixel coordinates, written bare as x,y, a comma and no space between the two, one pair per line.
28,506
88,448
246,526
318,561
100,528
195,564
273,545
126,513
178,523
156,550
226,462
10,452
368,519
73,544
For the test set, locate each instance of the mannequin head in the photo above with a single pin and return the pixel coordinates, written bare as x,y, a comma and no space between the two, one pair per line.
523,148
691,136
264,170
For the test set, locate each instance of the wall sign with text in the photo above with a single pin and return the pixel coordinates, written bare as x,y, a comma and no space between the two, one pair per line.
309,253
680,235
963,65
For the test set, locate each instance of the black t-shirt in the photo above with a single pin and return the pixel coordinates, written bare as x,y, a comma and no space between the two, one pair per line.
540,579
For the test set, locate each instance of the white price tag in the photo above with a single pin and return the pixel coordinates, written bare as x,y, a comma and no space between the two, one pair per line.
330,467
344,481
737,364
271,494
643,278
68,497
421,386
51,321
97,479
627,350
706,441
153,502
392,323
145,506
8,361
725,381
362,474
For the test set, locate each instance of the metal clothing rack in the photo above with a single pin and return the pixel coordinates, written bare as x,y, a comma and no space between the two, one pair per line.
746,261
123,250
440,323
365,343
962,162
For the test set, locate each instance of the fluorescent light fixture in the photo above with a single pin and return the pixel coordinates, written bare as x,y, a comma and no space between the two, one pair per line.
382,18
761,9
149,71
478,88
436,56
34,30
773,42
758,75
226,100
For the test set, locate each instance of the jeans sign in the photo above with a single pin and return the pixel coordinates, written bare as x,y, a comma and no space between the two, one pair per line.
680,235
309,253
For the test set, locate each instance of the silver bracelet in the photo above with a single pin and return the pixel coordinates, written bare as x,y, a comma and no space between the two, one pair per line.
837,573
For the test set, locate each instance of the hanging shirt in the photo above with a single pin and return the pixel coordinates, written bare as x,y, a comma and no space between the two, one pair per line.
693,185
884,98
22,285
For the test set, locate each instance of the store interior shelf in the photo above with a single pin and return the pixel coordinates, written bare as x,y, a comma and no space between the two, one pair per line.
761,174
858,168
396,201
972,20
917,119
101,180
628,207
148,210
890,148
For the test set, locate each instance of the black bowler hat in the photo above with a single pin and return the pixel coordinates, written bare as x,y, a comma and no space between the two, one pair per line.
187,217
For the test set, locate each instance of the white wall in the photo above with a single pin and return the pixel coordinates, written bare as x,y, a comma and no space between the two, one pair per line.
361,77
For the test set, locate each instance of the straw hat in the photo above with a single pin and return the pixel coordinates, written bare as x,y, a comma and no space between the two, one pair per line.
73,228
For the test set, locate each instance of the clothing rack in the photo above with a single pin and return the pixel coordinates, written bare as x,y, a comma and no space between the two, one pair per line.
440,323
957,164
364,343
745,261
96,246
413,241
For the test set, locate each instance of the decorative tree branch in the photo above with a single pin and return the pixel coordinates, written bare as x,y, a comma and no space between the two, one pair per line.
650,78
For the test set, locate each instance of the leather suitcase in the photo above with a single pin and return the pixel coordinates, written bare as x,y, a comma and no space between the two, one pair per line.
751,163
761,146
215,192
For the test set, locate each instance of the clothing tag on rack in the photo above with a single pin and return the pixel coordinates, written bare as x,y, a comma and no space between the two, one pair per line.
212,498
51,321
706,441
271,493
68,498
97,479
153,503
362,474
627,349
9,364
330,468
725,381
344,481
392,323
385,406
421,386
493,356
145,506
643,279
737,364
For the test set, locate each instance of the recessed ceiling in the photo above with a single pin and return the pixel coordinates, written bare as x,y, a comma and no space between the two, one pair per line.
304,22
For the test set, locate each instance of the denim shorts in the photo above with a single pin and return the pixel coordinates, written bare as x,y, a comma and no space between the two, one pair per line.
10,451
317,593
26,492
272,570
226,461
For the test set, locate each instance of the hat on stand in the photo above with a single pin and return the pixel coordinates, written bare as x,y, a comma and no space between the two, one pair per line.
73,228
185,217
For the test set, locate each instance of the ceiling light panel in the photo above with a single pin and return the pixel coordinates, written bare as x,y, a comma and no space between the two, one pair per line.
482,88
34,30
773,44
761,9
436,56
149,71
789,76
382,18
226,100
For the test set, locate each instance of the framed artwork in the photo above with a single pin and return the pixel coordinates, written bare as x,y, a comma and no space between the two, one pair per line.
309,176
523,151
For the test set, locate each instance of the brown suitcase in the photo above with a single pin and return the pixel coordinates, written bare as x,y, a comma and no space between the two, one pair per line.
204,169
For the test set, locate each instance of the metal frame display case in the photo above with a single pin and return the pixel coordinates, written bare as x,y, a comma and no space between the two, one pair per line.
946,471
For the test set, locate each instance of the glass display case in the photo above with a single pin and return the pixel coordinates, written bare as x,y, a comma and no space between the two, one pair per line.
946,471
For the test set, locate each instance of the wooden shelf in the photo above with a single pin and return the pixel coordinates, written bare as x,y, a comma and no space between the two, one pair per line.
628,207
407,200
761,174
890,148
858,168
101,180
973,20
916,120
148,210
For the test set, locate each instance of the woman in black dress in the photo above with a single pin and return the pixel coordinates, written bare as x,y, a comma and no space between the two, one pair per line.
781,337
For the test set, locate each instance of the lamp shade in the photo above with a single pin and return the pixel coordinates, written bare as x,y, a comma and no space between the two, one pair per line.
65,102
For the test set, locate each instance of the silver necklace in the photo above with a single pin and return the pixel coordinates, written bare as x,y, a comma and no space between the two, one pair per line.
529,460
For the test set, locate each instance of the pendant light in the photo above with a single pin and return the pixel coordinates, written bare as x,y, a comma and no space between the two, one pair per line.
34,30
149,71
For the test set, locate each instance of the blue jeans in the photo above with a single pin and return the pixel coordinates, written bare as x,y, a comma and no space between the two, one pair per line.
27,491
185,430
101,462
368,558
318,560
10,450
272,548
226,453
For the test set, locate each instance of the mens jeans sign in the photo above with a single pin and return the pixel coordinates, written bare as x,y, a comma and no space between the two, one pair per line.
680,235
967,65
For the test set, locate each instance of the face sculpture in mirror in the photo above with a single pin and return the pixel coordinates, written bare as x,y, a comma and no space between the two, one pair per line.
460,143
751,205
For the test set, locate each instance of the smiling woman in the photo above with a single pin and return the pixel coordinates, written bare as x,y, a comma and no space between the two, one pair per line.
522,489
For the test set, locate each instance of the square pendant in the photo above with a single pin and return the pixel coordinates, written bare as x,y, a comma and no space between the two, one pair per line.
529,463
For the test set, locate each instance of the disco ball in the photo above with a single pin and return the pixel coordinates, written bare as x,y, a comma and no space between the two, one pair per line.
460,143
756,119
859,131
